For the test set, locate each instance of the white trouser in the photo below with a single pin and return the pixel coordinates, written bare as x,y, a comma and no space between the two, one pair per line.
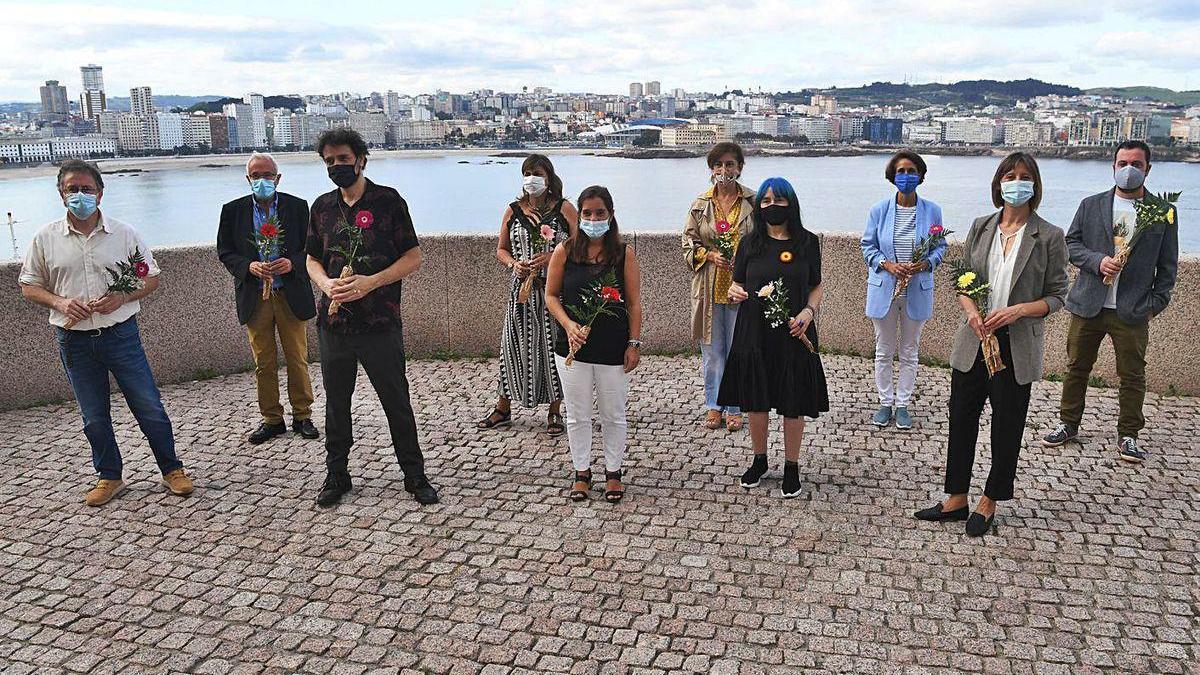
611,386
896,333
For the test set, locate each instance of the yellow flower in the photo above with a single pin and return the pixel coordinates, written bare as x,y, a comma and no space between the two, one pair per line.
767,290
966,279
785,256
1170,216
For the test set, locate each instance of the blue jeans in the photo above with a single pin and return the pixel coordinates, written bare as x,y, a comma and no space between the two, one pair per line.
714,353
88,357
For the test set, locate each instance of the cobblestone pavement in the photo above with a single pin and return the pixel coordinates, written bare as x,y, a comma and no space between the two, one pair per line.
1093,567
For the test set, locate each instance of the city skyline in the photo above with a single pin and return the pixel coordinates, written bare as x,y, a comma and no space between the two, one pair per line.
214,48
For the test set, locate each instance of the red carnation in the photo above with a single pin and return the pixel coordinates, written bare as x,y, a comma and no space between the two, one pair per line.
610,294
363,219
936,230
141,270
723,226
268,230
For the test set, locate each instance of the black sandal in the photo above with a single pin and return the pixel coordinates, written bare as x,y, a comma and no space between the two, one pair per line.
554,425
613,496
581,486
496,418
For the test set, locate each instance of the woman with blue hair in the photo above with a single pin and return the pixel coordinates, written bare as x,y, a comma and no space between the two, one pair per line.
773,362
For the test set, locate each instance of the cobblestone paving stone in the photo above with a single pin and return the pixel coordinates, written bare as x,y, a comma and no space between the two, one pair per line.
1093,568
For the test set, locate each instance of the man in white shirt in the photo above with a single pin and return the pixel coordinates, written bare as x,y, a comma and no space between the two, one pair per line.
1123,309
67,271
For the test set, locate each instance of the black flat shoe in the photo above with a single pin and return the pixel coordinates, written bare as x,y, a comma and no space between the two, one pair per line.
977,525
937,515
306,428
421,490
753,475
335,487
266,432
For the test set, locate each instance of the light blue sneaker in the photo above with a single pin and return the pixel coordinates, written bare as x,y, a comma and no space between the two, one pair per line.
903,419
883,416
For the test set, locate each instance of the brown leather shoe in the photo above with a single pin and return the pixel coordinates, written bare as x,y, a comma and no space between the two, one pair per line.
104,491
712,419
178,483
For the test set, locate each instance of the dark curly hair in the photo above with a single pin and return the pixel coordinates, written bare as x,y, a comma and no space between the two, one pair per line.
342,136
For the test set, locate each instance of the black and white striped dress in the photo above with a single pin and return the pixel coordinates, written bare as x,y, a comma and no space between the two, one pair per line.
528,377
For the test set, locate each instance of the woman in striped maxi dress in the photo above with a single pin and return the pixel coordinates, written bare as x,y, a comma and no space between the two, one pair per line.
528,376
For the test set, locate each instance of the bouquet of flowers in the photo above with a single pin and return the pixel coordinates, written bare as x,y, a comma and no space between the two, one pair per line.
725,242
269,241
937,236
596,301
540,239
776,309
354,237
1152,210
129,276
966,283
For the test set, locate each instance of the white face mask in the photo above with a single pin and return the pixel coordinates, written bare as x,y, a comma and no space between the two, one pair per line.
533,185
721,177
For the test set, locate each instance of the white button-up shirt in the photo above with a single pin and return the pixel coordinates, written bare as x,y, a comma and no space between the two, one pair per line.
71,265
1000,267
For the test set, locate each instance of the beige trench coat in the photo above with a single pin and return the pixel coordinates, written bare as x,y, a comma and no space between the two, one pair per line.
699,232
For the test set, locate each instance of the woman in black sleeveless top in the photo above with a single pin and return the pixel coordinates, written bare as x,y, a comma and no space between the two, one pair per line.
594,360
773,361
527,374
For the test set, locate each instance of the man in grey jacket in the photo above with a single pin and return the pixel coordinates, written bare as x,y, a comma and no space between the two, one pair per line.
1140,289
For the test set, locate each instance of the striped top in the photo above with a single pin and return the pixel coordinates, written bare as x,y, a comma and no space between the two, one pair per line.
904,237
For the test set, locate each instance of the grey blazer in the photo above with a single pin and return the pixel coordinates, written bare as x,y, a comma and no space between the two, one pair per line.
1040,273
1146,282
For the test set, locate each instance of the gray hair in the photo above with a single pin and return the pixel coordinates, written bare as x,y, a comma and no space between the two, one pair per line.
261,155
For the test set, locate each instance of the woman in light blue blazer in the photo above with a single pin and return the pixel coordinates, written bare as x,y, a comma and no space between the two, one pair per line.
895,228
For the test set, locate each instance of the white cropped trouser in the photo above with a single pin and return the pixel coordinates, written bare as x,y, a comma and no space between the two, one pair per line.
896,334
610,385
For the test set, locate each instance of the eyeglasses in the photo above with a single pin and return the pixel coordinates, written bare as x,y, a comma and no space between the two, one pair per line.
256,176
85,189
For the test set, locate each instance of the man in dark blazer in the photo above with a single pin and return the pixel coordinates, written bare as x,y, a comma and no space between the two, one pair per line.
289,303
1122,310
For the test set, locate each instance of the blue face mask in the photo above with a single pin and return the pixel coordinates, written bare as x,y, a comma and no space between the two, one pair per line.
594,229
907,182
1016,192
263,188
81,205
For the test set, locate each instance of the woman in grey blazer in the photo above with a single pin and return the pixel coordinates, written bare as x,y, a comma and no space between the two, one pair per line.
1024,260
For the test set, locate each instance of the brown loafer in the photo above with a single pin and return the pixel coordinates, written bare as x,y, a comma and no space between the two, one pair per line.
104,492
178,483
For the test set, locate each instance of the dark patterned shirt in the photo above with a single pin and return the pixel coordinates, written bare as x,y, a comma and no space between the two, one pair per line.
388,237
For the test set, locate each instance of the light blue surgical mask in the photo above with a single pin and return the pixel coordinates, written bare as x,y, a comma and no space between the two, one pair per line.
594,229
1016,192
907,183
263,188
81,205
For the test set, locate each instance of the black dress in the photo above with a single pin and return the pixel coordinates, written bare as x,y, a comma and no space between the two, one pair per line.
767,368
609,335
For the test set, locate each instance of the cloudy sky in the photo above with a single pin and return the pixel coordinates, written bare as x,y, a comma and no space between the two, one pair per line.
306,46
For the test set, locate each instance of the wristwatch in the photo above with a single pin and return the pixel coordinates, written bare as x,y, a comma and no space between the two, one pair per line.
636,344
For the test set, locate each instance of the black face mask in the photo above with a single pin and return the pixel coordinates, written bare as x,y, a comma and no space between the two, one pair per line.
775,214
343,175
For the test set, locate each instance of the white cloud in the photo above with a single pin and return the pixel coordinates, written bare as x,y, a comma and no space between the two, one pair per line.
599,46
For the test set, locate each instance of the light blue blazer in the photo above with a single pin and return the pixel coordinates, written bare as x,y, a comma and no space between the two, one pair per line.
877,246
